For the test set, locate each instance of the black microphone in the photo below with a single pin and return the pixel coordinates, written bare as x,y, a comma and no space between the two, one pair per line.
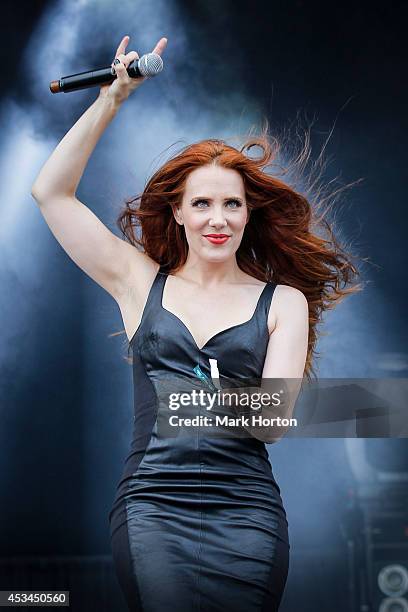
149,64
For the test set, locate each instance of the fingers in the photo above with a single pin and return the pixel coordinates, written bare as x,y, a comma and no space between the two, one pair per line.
160,47
119,68
132,55
122,46
128,58
120,61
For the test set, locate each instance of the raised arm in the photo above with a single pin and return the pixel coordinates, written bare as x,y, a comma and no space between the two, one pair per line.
106,258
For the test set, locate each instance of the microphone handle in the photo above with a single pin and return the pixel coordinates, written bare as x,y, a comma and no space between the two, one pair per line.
92,78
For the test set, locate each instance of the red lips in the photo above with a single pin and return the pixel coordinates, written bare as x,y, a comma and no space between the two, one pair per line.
217,238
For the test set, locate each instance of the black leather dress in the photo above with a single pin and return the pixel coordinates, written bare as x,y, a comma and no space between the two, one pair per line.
197,523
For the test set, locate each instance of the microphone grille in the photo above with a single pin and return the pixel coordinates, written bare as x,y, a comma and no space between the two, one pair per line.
150,64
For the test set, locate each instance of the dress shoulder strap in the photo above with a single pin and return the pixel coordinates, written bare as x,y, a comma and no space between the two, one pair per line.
266,298
155,291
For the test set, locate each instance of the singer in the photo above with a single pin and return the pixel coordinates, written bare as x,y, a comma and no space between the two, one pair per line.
225,266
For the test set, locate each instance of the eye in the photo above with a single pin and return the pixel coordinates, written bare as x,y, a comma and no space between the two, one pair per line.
197,202
237,202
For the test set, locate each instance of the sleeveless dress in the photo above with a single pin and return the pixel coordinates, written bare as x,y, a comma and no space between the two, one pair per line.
197,523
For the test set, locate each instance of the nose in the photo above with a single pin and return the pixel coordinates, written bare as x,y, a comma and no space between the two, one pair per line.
217,217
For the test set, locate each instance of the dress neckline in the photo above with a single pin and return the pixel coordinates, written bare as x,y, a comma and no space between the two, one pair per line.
222,331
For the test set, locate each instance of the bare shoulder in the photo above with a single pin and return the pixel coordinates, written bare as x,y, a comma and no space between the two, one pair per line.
290,294
288,303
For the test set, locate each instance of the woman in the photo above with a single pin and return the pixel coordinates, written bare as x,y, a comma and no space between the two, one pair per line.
198,522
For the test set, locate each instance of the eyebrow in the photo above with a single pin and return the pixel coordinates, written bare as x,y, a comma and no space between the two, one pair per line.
228,198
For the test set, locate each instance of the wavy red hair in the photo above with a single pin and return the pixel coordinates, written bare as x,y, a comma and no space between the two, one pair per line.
288,240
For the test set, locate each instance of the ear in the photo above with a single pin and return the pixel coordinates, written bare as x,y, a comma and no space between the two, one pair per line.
248,215
177,215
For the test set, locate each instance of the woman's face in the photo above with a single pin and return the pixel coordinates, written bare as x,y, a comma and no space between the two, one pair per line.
213,203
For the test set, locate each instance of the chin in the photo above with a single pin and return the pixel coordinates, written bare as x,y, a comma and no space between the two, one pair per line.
216,257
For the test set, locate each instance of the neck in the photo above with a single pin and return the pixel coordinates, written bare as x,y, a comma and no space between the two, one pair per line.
210,274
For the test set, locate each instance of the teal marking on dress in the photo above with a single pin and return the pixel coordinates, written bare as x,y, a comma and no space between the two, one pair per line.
200,374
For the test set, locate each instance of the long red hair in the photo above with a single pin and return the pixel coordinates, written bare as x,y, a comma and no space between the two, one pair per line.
288,239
